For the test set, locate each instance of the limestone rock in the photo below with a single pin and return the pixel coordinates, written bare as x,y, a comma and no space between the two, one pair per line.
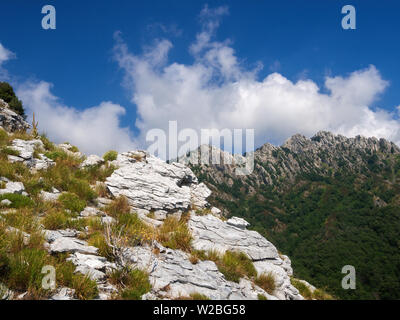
92,160
13,187
50,196
238,223
152,184
173,276
91,212
5,293
67,244
63,293
52,235
25,150
6,203
10,120
91,265
211,233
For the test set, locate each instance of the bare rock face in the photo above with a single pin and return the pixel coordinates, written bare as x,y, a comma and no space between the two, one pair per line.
211,233
152,184
173,276
93,266
92,160
13,188
26,154
11,121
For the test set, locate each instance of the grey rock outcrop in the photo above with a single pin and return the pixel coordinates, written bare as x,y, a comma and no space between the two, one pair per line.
173,276
11,121
91,265
68,244
92,160
14,188
211,233
152,184
26,154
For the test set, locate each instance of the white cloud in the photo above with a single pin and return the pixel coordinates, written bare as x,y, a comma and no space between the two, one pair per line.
215,91
93,130
5,55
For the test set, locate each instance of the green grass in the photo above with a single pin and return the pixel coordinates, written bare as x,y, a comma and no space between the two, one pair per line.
10,151
303,289
134,282
72,202
175,234
235,265
110,155
199,296
56,155
48,145
25,270
261,297
85,288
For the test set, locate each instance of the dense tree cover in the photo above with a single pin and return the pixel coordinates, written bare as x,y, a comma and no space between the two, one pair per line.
324,222
8,95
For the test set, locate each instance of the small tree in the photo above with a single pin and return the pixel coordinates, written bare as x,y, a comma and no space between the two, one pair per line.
8,95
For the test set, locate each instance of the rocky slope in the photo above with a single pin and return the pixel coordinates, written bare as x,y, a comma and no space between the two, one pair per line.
66,210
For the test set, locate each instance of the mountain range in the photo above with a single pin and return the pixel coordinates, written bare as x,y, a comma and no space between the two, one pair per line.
327,202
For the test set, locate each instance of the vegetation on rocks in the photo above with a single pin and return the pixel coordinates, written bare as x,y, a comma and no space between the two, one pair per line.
8,95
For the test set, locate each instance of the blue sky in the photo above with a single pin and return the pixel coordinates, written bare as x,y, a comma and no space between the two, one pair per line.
300,40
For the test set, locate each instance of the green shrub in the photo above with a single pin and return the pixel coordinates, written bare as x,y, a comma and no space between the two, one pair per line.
8,95
56,155
71,201
261,297
56,219
18,200
110,155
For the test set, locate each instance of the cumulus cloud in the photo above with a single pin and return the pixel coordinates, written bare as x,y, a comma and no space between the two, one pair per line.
5,55
215,91
93,130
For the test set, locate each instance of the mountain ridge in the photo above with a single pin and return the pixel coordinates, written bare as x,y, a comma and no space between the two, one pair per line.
312,189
